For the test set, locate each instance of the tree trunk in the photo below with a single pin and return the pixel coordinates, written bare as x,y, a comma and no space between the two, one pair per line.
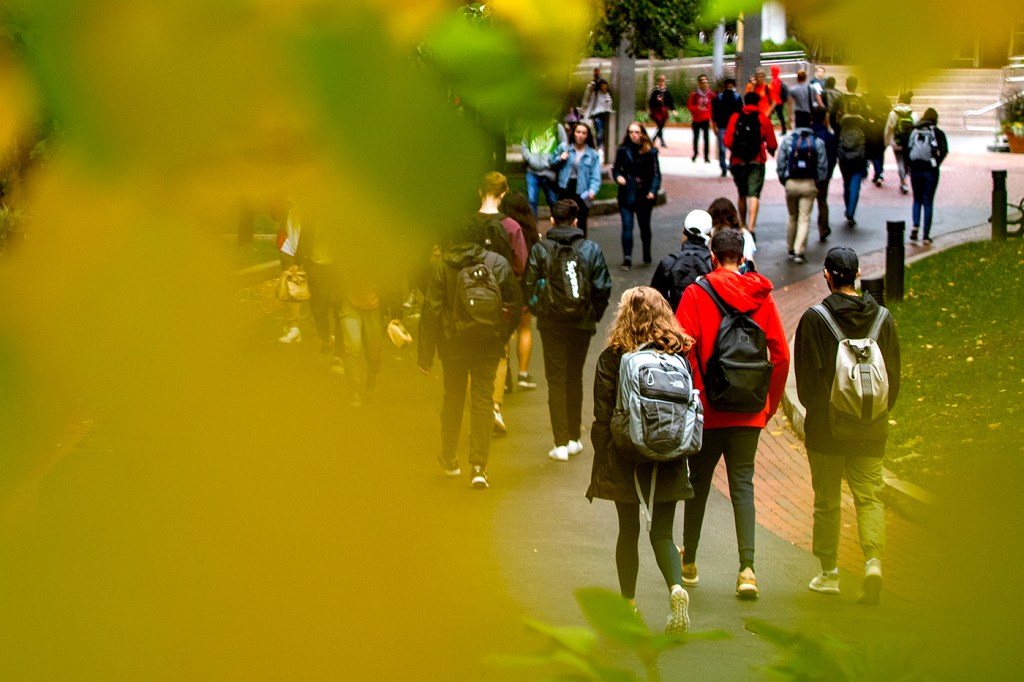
749,58
625,77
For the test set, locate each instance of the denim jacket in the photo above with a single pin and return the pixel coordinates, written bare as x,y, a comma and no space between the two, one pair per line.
588,178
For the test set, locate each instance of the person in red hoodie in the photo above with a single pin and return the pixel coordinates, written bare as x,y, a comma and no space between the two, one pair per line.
751,137
699,105
732,434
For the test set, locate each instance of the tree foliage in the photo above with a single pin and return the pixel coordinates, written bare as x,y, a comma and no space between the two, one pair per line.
652,27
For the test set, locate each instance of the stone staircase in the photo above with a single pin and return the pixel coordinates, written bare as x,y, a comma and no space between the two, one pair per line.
951,92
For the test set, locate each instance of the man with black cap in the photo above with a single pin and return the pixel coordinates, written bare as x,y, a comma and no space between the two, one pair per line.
830,452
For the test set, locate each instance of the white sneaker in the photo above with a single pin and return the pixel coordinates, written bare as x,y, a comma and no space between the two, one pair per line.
574,447
826,582
294,335
679,617
499,423
559,453
871,591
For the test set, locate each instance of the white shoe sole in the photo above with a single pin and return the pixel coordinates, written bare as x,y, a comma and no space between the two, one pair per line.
479,483
559,456
823,589
679,619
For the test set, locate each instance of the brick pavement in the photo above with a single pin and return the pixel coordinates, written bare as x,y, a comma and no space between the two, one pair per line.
783,492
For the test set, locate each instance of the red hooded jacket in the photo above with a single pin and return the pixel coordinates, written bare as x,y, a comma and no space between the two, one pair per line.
767,135
699,317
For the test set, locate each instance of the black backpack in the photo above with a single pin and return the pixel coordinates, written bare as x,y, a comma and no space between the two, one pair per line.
689,263
738,373
746,137
566,282
494,237
476,306
852,142
803,158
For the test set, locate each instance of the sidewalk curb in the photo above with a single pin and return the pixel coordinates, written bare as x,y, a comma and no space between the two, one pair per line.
909,500
253,275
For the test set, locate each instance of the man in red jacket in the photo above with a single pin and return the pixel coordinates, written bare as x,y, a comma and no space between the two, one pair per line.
699,105
751,137
732,434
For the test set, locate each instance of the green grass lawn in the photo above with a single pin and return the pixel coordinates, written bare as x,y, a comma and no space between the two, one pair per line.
609,190
962,341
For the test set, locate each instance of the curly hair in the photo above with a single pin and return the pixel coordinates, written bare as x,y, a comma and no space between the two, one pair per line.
643,317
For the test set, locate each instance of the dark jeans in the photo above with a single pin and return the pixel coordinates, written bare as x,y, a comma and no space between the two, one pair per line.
705,127
565,351
627,558
480,373
324,305
643,209
924,183
739,445
582,210
853,175
723,161
600,126
780,113
823,204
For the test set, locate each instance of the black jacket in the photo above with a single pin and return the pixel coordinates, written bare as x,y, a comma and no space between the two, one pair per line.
942,150
597,268
436,326
692,260
815,361
724,105
611,477
642,173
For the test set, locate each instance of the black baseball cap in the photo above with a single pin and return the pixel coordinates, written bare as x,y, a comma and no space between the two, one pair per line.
842,260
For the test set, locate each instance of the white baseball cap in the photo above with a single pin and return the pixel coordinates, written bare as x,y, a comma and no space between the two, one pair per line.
698,222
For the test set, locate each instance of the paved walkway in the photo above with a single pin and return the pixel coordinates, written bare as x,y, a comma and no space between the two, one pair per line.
783,492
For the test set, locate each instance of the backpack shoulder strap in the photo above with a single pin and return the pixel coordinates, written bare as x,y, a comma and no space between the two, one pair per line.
645,507
830,321
723,307
876,326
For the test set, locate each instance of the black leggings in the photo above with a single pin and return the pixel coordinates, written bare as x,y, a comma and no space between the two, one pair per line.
627,557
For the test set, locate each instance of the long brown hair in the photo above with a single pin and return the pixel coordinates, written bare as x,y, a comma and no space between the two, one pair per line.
643,317
723,214
645,140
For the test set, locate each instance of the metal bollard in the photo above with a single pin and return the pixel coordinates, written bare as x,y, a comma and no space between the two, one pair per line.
894,260
998,218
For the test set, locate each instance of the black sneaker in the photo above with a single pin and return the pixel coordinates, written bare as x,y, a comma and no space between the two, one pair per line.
479,478
450,466
799,260
626,266
526,381
824,235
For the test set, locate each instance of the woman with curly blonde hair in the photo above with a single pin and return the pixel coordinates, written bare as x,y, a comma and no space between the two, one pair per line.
643,317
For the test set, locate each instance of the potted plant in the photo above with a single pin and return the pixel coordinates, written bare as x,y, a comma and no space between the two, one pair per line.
1013,122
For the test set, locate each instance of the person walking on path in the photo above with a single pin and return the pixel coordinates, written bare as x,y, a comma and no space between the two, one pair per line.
751,138
599,110
926,150
660,105
579,171
638,174
898,125
852,153
821,131
503,235
515,206
760,87
724,216
830,458
537,149
469,343
679,270
803,98
780,97
570,289
731,434
876,109
723,106
803,164
643,317
699,105
288,232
